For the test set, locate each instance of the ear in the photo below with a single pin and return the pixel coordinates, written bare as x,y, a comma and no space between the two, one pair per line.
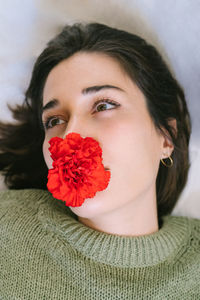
167,144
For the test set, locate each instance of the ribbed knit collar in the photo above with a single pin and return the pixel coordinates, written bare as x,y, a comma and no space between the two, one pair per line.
121,251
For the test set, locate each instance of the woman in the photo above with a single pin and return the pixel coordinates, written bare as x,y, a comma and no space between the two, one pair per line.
111,86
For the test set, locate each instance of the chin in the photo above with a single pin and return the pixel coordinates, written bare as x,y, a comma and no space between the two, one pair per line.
91,207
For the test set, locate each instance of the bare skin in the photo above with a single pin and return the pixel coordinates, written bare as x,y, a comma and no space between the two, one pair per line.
132,147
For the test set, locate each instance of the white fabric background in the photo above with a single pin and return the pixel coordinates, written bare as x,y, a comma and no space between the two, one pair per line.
172,26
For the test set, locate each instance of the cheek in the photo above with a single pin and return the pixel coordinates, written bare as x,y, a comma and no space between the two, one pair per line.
46,154
132,152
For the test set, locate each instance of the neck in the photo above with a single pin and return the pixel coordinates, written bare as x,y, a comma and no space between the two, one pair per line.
138,217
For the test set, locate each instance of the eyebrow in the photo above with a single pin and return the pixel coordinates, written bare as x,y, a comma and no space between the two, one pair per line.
92,89
96,88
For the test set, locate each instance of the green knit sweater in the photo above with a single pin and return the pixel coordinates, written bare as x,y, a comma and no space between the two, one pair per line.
46,253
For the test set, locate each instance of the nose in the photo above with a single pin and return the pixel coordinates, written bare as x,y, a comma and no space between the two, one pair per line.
77,125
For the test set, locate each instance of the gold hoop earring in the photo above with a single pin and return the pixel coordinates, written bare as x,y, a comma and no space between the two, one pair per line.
168,165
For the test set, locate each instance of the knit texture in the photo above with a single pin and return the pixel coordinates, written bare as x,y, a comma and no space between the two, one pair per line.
46,253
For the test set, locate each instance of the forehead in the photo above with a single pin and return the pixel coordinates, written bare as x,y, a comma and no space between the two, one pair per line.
92,62
83,69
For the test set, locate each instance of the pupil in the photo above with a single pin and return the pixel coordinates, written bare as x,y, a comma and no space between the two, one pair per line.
101,105
54,122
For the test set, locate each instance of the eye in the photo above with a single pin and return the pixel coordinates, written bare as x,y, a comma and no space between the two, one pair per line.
50,122
102,103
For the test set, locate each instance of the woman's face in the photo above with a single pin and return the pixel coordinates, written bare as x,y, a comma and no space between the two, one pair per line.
131,146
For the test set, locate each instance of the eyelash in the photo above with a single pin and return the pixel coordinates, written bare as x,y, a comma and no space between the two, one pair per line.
105,100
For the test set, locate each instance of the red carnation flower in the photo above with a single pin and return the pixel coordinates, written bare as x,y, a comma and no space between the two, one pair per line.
78,172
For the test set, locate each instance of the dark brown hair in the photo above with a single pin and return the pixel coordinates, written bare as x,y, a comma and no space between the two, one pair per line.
21,157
